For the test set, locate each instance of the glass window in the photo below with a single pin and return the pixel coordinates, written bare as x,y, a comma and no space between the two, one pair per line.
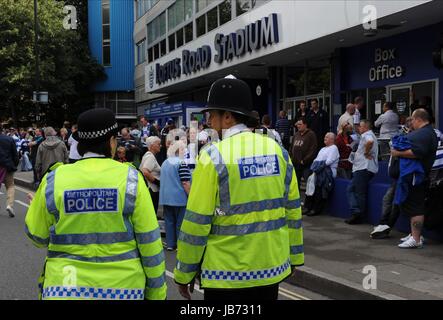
179,35
225,12
150,55
156,51
162,24
141,52
188,9
172,17
180,11
256,3
105,13
243,6
163,48
212,19
171,40
201,25
122,95
319,80
188,32
106,32
106,55
201,4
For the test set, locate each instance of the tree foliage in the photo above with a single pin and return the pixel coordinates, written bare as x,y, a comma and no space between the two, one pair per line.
66,67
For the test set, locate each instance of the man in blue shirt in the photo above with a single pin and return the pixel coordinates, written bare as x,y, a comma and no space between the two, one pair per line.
424,145
365,166
283,127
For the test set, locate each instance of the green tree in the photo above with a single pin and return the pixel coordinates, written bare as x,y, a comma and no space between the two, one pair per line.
66,68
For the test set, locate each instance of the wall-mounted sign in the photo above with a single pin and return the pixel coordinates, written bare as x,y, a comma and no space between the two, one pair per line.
251,38
378,107
385,71
254,36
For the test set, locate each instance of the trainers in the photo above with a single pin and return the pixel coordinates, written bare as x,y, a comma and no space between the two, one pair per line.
381,232
312,213
354,219
411,244
422,239
10,211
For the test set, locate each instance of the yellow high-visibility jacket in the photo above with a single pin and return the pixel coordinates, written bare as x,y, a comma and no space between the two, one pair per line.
242,226
97,219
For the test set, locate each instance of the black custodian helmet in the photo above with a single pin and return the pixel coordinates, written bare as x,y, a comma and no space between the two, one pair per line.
230,94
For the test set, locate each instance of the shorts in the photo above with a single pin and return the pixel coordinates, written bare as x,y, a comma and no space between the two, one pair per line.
414,205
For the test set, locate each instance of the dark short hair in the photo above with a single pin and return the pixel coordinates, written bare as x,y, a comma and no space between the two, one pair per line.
303,120
101,147
389,105
358,99
315,99
367,123
303,101
422,114
266,120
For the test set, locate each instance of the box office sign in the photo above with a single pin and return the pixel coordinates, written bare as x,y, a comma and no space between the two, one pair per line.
251,38
384,70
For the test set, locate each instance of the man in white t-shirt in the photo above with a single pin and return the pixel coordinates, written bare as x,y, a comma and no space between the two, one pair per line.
73,142
326,159
347,117
359,103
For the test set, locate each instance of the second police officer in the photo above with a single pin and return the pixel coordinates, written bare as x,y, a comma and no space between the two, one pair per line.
242,229
97,219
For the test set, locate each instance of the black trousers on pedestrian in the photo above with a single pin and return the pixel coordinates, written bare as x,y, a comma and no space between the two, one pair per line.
315,202
154,197
391,211
264,293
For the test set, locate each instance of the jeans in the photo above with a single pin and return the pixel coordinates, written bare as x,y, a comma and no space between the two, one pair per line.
391,211
173,221
344,173
357,191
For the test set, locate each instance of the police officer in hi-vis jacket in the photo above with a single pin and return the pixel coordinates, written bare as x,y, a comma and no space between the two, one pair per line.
242,231
97,220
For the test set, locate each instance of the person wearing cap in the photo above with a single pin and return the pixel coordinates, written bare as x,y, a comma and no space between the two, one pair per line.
97,220
241,234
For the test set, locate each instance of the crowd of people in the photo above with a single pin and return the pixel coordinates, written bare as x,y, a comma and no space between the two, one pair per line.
169,155
246,177
354,153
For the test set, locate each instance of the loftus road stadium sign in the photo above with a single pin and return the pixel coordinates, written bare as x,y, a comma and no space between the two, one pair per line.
251,38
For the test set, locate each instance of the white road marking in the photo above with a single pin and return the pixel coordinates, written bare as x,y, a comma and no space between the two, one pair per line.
296,296
23,190
22,203
395,272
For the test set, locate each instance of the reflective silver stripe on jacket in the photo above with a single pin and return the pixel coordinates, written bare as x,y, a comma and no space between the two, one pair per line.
49,195
133,254
244,229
